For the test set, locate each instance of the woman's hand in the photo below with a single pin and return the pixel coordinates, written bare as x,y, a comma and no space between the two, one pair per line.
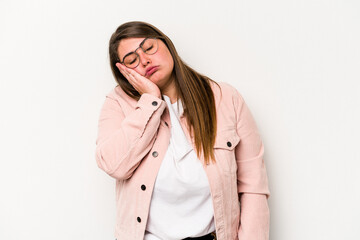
140,83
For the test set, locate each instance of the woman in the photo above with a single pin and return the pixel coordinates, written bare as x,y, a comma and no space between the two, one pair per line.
184,150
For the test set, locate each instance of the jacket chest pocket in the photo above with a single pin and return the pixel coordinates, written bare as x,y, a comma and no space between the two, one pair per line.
224,149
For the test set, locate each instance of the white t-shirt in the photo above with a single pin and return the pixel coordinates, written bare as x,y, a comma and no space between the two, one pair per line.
181,204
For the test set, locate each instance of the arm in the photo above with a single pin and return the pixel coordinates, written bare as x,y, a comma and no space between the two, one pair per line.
123,141
251,176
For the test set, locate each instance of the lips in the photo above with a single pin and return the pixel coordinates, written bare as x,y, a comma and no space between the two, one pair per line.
151,70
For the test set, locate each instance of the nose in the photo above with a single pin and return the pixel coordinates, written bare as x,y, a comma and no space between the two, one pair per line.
144,58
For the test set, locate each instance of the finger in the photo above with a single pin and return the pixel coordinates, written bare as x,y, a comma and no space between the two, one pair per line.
133,72
134,78
125,74
119,66
132,75
133,81
122,70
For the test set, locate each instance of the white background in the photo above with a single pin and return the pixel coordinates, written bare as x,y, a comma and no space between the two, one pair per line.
296,63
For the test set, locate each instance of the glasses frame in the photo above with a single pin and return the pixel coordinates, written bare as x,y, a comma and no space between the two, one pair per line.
141,47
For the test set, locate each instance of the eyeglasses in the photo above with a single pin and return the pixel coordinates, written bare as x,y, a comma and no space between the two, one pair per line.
148,46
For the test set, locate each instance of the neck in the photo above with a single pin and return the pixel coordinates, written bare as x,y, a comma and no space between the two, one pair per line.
170,90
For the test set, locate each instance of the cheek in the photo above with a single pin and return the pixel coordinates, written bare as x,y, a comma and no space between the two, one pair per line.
165,56
169,60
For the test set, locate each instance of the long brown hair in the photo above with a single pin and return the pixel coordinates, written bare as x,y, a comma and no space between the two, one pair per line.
193,88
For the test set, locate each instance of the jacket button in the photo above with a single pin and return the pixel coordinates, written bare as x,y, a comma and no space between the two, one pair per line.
138,219
143,187
154,103
229,144
155,154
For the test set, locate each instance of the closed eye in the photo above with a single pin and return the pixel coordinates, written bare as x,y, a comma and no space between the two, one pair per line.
149,48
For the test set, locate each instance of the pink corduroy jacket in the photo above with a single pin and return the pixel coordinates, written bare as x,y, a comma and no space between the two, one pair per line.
132,140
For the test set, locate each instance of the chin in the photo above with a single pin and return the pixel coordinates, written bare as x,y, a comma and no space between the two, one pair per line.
155,77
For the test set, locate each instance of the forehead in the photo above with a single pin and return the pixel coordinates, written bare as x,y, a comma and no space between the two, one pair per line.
128,45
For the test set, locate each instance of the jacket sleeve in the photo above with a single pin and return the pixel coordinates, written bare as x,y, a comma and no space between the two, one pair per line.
252,179
123,141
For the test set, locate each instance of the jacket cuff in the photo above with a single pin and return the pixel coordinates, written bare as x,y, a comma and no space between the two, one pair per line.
148,101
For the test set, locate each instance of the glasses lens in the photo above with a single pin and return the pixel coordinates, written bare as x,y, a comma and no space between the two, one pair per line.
150,46
131,60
